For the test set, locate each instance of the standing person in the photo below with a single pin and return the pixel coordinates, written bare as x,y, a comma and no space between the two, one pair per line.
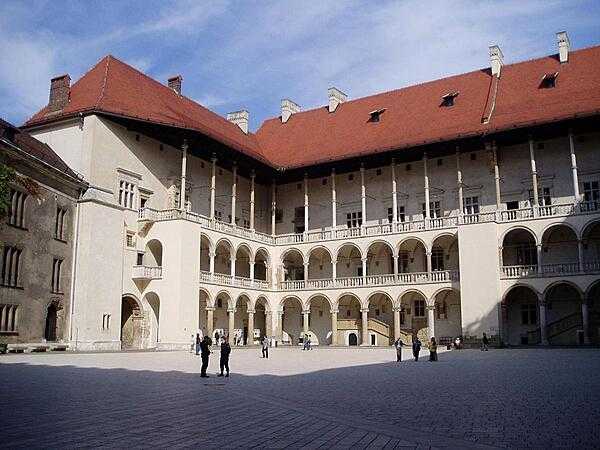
485,342
433,349
265,347
198,342
398,344
204,353
416,348
224,360
217,338
308,347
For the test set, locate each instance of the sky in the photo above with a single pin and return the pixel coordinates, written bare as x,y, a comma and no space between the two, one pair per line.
251,54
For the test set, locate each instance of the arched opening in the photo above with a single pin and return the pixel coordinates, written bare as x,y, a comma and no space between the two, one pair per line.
240,321
319,320
153,318
293,265
591,246
261,265
221,318
319,264
447,317
242,261
352,339
153,254
291,321
223,251
204,253
203,303
132,319
444,253
260,318
412,256
564,322
520,316
349,261
593,304
380,259
560,252
519,249
349,319
51,328
413,314
381,320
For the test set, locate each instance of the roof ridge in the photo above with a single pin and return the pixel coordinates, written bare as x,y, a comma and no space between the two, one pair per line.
104,81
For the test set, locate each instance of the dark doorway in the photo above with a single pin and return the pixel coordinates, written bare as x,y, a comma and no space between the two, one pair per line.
51,322
352,339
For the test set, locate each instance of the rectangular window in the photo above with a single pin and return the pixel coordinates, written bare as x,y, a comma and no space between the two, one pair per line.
299,219
437,258
591,196
140,259
126,194
544,197
16,213
56,271
9,316
59,223
354,219
526,255
471,205
390,214
11,264
434,209
528,314
219,215
403,261
278,215
420,308
130,240
106,321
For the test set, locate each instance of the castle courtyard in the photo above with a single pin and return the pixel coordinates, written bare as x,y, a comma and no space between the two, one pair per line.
322,398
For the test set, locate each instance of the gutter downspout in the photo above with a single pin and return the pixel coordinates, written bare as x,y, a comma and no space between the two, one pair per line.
74,270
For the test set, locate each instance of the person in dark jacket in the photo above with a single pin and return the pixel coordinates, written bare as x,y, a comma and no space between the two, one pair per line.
265,347
416,348
204,353
224,361
198,342
433,349
398,344
485,342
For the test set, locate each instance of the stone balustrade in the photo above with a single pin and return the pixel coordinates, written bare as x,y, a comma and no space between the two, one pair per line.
146,273
550,270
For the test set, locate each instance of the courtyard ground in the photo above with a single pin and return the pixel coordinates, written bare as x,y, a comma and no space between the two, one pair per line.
323,398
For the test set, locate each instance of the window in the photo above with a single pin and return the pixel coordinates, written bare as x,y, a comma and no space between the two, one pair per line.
219,303
359,271
548,81
512,205
56,269
437,258
544,197
434,209
403,261
401,215
106,321
354,219
528,314
219,215
419,308
374,116
126,194
471,205
59,224
11,264
140,259
16,213
390,214
526,255
442,310
278,215
299,219
448,99
143,201
9,315
130,240
591,195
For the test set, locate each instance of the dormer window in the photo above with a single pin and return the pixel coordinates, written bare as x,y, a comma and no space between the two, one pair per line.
375,115
448,99
549,81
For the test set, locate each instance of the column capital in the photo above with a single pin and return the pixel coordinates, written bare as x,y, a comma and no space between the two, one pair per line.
334,311
213,158
364,310
365,259
212,253
210,308
397,309
251,311
231,310
184,145
430,307
306,311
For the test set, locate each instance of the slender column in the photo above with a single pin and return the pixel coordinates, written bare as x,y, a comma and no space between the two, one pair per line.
334,328
580,254
430,321
363,195
252,178
211,256
395,257
365,326
269,331
396,323
428,254
231,317
232,265
459,182
305,203
574,166
184,149
543,331
496,174
210,321
334,269
250,336
252,262
539,258
536,200
394,194
306,264
426,179
585,317
364,270
233,193
213,186
305,321
273,206
333,201
279,326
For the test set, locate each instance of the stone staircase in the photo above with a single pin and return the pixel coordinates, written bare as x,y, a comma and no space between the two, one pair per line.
556,328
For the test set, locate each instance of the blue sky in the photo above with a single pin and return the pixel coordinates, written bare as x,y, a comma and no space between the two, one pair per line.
251,54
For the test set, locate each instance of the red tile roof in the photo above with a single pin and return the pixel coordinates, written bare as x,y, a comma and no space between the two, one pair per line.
413,115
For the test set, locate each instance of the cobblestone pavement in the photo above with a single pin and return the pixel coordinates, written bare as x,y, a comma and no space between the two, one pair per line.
323,398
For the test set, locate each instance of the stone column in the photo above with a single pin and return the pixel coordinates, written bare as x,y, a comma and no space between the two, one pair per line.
394,194
429,269
459,183
397,323
334,328
231,317
430,321
252,178
279,326
574,166
211,256
543,331
306,264
395,258
305,315
496,174
364,271
585,319
334,269
184,149
534,183
269,324
426,180
305,203
273,206
540,267
580,255
252,262
250,337
213,186
363,195
233,193
210,322
232,265
365,326
333,201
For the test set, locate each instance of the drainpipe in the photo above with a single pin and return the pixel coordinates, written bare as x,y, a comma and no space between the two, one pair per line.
74,268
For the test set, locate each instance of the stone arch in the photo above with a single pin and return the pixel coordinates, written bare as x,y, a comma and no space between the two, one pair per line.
380,258
204,301
447,314
262,264
319,263
560,249
291,319
348,294
206,248
349,323
410,238
262,310
592,299
319,319
223,294
380,318
559,224
569,283
153,301
348,260
292,261
519,247
444,252
517,228
132,317
307,304
590,237
222,303
520,315
153,253
563,301
223,253
413,314
243,256
241,332
345,244
412,255
291,250
523,285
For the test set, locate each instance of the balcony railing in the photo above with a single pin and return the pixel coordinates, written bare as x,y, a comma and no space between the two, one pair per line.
146,273
550,270
228,280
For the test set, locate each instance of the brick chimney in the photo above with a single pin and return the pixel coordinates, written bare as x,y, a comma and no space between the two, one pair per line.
563,46
60,90
335,98
496,60
175,83
288,108
240,118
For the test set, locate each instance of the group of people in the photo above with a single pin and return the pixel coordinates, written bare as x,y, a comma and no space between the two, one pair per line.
203,349
307,343
416,349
